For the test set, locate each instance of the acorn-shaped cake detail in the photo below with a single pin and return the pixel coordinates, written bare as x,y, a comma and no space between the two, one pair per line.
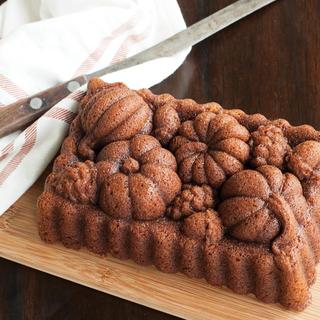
259,205
210,148
138,178
110,113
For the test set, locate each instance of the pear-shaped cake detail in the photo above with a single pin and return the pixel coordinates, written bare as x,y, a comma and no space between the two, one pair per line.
192,188
210,148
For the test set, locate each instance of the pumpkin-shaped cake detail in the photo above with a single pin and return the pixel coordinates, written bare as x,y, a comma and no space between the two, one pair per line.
130,115
138,178
269,146
210,148
259,205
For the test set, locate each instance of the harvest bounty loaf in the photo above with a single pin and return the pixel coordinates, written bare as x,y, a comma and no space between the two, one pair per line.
189,187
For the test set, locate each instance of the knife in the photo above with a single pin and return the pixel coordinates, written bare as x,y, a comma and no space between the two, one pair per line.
21,113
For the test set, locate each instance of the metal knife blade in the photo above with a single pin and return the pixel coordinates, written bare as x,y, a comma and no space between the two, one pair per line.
189,36
21,113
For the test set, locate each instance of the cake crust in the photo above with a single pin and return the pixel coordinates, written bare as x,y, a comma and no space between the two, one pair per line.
192,188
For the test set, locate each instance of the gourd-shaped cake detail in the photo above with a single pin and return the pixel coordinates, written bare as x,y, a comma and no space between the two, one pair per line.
138,178
269,146
170,113
130,115
262,205
210,148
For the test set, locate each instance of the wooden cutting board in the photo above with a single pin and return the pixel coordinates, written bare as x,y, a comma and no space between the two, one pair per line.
171,293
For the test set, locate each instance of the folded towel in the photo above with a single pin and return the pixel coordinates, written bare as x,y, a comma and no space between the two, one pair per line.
45,42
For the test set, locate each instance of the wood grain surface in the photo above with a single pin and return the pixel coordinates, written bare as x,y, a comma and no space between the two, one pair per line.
267,63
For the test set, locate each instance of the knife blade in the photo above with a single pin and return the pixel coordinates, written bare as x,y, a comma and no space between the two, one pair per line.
189,36
21,113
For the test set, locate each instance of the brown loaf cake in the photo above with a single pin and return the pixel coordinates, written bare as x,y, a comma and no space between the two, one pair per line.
192,188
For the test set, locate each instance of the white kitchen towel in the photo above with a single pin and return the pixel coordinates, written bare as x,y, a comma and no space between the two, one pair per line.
44,42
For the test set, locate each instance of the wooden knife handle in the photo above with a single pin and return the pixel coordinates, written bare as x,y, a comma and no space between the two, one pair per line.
21,113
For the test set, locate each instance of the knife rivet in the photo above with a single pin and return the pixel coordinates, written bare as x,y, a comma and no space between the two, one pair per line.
73,86
35,103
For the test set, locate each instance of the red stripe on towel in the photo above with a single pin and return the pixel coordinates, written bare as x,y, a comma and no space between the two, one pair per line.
11,88
6,150
123,50
61,114
77,95
97,53
30,140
